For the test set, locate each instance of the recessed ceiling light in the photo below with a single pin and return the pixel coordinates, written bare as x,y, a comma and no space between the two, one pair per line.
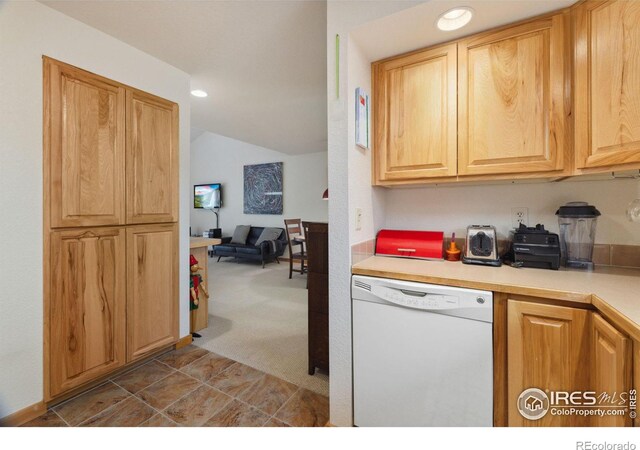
198,93
454,18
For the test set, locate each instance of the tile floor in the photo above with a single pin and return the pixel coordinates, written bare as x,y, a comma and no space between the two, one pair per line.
191,387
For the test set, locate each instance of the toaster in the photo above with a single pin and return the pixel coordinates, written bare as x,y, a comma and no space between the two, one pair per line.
481,246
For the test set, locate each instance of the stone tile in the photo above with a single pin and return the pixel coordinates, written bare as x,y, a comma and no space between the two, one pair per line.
196,408
159,421
143,376
238,414
49,419
128,413
268,393
625,255
168,390
89,404
235,379
601,254
208,366
275,423
185,356
305,409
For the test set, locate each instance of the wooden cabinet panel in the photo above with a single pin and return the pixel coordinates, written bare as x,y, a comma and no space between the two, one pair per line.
152,159
84,121
607,80
415,115
152,288
512,110
611,371
87,308
548,349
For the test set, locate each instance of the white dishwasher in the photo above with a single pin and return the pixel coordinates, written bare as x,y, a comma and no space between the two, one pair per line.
422,354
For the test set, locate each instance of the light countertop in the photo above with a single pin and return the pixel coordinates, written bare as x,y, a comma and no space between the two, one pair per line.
195,242
614,291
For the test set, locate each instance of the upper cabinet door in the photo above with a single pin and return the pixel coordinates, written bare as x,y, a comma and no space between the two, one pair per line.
152,159
415,116
513,99
607,84
611,370
84,141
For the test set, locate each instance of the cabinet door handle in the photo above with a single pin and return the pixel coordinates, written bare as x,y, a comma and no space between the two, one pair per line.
410,250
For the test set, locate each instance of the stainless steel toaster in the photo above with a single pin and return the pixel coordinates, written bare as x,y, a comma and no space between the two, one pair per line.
481,246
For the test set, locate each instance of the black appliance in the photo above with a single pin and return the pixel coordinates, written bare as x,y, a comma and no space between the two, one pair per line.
535,247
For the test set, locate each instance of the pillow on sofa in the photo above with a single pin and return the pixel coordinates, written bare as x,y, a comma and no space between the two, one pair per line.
268,234
240,234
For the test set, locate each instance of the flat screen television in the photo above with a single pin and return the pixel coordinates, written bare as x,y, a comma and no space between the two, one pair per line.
207,196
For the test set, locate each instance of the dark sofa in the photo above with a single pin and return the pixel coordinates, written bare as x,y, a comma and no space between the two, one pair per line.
265,253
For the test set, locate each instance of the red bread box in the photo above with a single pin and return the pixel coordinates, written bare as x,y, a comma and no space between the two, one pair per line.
410,244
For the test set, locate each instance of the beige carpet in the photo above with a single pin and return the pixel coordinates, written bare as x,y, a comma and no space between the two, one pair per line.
259,318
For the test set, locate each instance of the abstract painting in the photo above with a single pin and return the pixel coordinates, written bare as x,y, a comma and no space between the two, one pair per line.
263,188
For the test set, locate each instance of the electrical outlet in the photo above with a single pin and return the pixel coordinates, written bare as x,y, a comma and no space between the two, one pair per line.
519,215
358,218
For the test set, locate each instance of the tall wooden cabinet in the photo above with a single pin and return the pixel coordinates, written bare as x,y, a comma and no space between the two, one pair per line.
111,287
606,82
415,119
512,108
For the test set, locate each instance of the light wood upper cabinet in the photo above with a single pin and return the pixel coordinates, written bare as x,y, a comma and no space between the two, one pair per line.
607,84
152,288
611,371
513,102
87,308
548,348
84,127
415,116
152,159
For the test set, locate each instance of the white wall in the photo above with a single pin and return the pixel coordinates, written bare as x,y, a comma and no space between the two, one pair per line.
452,209
29,30
342,17
219,159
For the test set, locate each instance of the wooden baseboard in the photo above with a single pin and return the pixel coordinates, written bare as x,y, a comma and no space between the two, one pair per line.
183,342
24,415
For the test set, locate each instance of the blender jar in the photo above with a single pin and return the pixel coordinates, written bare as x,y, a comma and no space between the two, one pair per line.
577,222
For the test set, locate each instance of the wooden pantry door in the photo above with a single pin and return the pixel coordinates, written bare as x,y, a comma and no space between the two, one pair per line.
84,143
152,158
152,288
87,306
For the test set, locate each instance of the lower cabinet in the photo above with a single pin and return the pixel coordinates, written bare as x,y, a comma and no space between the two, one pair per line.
152,288
113,298
87,306
558,350
612,367
548,347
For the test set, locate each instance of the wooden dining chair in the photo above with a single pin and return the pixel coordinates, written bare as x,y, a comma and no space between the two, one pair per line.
295,238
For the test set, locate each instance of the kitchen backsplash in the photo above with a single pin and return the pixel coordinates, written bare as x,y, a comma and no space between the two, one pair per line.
603,254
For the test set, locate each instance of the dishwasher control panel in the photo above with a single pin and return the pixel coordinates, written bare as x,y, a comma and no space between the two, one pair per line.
460,302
